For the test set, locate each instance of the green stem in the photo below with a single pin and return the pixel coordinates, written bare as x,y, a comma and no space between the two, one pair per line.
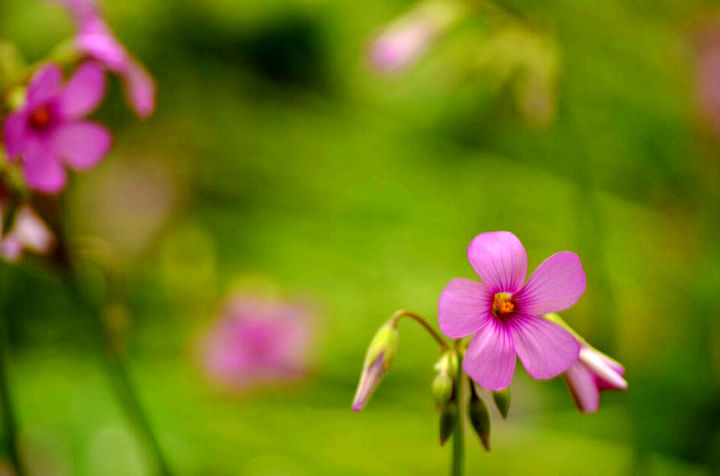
435,334
458,453
9,418
115,367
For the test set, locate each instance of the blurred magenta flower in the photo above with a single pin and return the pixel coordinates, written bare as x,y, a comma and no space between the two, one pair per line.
400,45
708,74
28,232
95,39
405,40
504,315
592,372
49,131
259,341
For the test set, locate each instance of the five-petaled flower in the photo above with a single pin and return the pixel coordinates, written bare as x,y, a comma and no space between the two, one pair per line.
50,131
592,372
504,315
95,39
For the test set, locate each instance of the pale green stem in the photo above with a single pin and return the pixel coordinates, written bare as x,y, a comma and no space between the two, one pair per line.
458,449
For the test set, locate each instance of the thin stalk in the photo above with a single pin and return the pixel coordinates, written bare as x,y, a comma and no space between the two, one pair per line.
116,369
435,334
9,418
458,449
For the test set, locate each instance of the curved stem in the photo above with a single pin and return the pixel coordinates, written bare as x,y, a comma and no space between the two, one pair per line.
458,449
405,313
114,365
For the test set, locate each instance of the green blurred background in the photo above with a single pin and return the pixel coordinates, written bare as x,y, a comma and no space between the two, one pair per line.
279,159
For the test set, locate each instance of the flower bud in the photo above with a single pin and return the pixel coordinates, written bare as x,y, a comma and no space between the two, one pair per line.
502,401
409,37
442,389
479,417
448,420
444,382
377,363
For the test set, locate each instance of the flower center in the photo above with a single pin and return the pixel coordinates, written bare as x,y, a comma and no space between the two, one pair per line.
40,118
503,305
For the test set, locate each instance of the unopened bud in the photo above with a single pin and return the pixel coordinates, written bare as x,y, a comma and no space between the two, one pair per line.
448,420
378,358
502,401
480,419
442,389
444,382
407,39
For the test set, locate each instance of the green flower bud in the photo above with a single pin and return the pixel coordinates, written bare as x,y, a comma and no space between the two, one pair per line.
502,401
442,389
448,420
378,358
444,383
480,419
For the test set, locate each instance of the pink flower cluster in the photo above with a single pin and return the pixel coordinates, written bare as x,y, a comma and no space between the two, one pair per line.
49,131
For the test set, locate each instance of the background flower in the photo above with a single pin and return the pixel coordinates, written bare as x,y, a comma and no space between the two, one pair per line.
96,39
49,131
28,232
257,342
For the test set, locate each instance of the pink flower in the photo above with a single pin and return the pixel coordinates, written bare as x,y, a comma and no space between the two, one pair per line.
592,372
401,45
408,38
504,315
258,342
95,39
28,232
49,130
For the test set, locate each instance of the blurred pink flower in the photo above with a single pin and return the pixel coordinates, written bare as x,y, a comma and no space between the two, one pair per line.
95,39
401,45
408,38
592,372
503,312
258,342
49,131
708,74
28,232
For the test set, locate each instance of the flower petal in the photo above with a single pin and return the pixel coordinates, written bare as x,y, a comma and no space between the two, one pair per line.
463,307
14,133
490,357
581,383
369,382
140,89
100,44
10,248
545,348
42,169
81,10
44,85
32,232
555,285
500,260
84,91
82,144
604,372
